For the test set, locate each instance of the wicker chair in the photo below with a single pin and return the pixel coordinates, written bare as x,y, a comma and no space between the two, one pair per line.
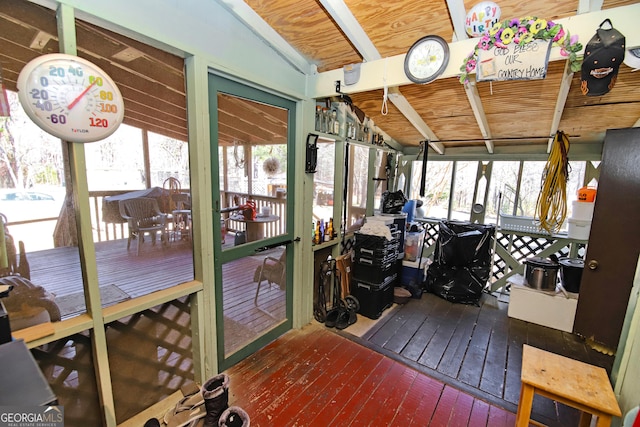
143,217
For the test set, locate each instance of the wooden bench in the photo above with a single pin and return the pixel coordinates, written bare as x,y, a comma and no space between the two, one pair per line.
577,384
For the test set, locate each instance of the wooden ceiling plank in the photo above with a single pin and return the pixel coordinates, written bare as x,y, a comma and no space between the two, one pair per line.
234,108
166,59
180,135
478,111
30,15
247,128
151,119
412,115
158,113
148,67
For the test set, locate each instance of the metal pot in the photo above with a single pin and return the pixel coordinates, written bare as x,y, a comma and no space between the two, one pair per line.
571,273
541,273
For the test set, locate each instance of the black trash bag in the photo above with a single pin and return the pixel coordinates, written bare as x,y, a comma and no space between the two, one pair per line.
393,201
462,243
462,261
455,284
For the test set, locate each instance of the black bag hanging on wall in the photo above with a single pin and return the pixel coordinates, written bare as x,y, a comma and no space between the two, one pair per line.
393,201
602,57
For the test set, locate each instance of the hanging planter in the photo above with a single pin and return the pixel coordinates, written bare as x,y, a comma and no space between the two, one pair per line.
271,166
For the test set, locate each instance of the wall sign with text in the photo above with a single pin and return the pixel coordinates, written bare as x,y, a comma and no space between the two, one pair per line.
514,62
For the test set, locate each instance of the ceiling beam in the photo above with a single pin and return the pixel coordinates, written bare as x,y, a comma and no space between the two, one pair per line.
478,111
350,26
561,100
458,14
252,20
341,13
586,6
414,118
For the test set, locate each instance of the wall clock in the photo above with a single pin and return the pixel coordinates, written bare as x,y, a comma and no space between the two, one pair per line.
71,98
426,59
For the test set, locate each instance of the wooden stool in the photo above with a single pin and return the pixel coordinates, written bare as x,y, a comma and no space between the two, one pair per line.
577,384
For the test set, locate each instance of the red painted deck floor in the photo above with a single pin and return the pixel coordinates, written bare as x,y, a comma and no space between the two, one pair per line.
314,377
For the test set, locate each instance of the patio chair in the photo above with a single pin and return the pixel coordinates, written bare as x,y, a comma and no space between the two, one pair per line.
143,217
273,270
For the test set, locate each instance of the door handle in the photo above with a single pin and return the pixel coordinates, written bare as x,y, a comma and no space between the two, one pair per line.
273,245
592,264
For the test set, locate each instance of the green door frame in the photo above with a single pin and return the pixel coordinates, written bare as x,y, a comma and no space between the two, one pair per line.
219,84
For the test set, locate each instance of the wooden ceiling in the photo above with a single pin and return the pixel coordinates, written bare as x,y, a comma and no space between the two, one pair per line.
334,33
324,32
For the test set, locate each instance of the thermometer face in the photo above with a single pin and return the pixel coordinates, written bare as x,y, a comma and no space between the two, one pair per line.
70,98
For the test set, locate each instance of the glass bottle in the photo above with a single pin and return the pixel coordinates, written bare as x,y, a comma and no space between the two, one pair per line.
352,131
367,133
327,232
335,129
316,238
325,120
318,118
331,119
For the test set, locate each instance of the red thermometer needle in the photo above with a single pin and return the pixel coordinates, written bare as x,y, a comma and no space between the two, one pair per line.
79,97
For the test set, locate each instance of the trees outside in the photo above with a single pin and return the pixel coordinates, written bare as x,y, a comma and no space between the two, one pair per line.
29,157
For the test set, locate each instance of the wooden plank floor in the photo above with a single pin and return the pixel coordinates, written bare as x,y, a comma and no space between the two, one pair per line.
476,349
161,267
313,377
157,267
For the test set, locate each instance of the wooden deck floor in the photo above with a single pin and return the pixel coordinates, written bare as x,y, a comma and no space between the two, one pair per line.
477,350
313,377
157,267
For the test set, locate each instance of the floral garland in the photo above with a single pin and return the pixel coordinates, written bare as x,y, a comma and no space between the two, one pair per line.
523,31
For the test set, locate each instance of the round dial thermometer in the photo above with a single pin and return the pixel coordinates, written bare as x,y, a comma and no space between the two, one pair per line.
426,59
70,98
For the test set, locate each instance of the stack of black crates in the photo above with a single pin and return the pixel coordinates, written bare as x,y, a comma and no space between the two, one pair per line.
375,272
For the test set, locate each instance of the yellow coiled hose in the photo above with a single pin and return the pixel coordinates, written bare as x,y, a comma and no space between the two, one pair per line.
551,208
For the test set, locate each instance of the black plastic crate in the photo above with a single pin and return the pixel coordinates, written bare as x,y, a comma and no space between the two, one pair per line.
375,256
371,242
373,273
374,298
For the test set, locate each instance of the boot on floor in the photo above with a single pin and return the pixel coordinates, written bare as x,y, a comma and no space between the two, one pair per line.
216,399
234,416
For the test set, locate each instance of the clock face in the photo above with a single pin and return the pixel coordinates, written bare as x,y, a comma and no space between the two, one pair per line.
426,59
70,98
